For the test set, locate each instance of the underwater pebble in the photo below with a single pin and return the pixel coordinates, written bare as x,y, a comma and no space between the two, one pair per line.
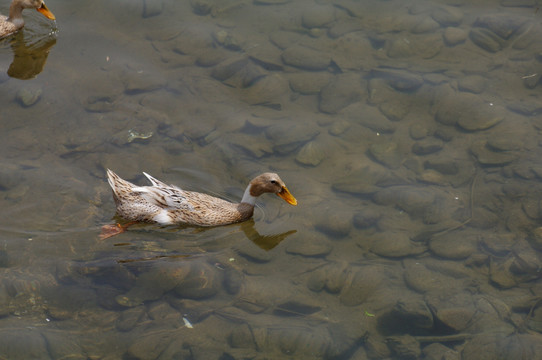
503,345
400,80
395,244
28,96
311,154
468,111
454,245
241,337
202,282
296,307
152,8
229,67
504,25
287,137
486,39
129,318
473,83
140,81
486,156
387,153
483,218
425,25
310,248
201,7
305,58
339,127
418,131
271,2
210,57
34,345
427,146
343,27
340,92
233,280
366,218
500,274
454,36
318,16
356,183
454,309
361,285
447,15
422,279
413,311
439,351
331,277
285,39
267,56
370,117
309,83
404,346
267,90
502,141
254,254
335,223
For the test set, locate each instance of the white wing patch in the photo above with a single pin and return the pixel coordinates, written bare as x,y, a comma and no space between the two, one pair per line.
164,196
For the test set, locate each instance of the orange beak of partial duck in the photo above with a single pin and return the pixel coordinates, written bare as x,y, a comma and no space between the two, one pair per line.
285,194
46,12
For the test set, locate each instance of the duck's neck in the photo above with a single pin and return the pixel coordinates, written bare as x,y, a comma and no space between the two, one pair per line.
16,14
247,198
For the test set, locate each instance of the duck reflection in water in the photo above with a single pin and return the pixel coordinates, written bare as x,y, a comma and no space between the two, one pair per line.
265,242
29,52
29,57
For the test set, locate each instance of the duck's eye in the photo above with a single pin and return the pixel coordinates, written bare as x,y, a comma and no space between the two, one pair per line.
274,182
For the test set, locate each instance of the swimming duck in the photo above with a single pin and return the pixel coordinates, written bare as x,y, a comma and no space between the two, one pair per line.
168,204
15,21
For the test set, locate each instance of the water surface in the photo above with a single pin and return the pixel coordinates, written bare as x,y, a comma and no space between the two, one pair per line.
408,132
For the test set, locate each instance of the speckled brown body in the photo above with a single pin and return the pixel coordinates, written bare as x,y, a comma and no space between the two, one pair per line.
6,27
168,204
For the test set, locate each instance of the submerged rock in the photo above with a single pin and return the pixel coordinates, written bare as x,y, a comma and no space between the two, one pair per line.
318,16
340,92
306,58
395,244
28,96
387,153
311,154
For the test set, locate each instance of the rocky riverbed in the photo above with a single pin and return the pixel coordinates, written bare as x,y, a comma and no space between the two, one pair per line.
408,132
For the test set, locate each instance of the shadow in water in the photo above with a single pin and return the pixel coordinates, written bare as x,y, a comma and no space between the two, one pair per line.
29,55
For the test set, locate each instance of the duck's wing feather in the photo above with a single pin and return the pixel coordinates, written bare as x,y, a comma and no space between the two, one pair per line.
164,196
159,183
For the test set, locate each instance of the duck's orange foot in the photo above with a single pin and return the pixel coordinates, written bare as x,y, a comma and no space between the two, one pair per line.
111,230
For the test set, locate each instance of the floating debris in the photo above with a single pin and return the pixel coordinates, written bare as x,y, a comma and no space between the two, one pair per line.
133,135
187,323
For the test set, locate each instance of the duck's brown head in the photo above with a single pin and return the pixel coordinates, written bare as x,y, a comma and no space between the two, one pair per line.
271,183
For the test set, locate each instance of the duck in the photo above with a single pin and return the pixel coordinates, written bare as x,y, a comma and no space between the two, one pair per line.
15,21
166,204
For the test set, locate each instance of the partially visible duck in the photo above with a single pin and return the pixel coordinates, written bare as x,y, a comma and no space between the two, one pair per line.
168,204
15,21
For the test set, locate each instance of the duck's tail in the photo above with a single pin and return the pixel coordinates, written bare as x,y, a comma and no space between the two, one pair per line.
119,185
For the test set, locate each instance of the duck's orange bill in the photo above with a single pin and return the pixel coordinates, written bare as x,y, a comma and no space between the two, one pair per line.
45,11
285,194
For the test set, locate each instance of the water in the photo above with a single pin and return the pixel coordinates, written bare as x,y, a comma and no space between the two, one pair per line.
407,132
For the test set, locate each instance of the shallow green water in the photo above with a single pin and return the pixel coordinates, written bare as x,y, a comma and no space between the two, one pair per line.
409,134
